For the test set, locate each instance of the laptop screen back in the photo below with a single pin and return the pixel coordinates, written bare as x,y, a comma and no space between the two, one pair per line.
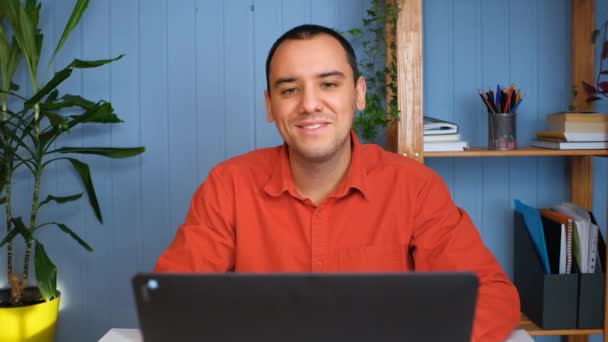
306,307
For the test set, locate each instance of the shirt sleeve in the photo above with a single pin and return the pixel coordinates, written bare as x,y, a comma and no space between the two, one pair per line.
445,239
205,242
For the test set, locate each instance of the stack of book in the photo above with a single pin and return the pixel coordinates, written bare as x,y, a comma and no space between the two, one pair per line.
574,131
440,135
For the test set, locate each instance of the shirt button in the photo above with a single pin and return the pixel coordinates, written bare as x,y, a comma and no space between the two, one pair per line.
318,264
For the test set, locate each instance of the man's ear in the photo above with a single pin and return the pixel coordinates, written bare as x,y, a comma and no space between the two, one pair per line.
361,89
269,117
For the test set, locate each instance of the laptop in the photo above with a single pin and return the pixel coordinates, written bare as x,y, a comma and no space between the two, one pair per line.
286,307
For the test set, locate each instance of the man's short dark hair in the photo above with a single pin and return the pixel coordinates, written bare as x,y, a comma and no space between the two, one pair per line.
306,32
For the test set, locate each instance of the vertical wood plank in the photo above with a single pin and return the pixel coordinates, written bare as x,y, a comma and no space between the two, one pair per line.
408,138
467,112
153,99
496,216
295,12
581,185
211,92
96,85
583,52
238,45
267,28
65,254
126,200
552,46
182,120
439,72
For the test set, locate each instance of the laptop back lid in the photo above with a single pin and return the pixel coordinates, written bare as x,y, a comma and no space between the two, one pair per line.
306,307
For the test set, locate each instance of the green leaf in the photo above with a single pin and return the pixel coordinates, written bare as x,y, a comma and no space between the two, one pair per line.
28,38
33,11
52,96
18,229
80,64
83,171
9,237
69,101
102,113
594,36
110,152
61,199
77,12
2,199
74,236
57,121
59,77
46,272
13,87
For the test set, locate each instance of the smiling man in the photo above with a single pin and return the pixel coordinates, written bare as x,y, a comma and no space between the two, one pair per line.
323,202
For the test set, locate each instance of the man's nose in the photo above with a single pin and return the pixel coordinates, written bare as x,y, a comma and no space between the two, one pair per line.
310,100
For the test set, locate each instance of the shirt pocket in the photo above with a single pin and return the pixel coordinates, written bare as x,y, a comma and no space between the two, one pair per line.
375,258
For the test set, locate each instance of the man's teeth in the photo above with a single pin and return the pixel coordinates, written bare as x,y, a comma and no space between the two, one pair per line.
315,126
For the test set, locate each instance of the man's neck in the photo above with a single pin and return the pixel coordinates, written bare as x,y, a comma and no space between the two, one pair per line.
316,181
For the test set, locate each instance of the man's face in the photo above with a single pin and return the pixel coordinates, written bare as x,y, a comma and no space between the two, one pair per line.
312,97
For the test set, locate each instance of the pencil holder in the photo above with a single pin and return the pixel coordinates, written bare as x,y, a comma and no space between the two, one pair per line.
502,131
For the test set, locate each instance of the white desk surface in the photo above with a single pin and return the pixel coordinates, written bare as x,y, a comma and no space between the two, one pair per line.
133,335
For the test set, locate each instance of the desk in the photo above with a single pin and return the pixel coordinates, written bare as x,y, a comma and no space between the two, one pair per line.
133,335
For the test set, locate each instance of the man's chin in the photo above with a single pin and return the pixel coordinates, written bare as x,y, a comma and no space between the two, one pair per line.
316,155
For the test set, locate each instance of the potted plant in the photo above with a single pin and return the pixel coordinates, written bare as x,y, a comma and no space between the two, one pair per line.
599,88
30,128
378,64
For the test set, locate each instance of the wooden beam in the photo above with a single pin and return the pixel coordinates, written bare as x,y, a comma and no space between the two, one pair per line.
405,136
581,184
583,51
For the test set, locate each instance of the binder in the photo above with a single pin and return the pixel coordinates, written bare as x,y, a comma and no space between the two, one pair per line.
534,225
591,288
558,236
549,300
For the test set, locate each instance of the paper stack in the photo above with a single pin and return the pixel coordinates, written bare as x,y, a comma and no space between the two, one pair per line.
440,135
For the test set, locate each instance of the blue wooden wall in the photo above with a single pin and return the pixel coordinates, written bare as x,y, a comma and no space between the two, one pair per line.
190,89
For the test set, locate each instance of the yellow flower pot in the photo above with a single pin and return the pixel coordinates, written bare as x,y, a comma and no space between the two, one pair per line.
31,323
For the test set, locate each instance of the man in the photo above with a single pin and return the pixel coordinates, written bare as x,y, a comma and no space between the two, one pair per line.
323,202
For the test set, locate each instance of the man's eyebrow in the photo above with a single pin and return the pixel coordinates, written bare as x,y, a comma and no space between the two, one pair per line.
335,73
284,80
332,73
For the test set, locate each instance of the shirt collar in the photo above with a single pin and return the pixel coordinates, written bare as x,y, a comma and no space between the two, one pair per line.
281,179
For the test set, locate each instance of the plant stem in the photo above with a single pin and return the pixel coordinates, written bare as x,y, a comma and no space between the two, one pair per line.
37,179
7,194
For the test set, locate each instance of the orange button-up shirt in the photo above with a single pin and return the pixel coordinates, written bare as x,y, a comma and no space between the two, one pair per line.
389,213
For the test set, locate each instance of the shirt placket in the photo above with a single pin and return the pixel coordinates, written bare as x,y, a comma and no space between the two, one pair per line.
319,239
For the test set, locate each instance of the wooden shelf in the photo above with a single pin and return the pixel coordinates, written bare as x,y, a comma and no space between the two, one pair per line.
520,152
535,330
405,136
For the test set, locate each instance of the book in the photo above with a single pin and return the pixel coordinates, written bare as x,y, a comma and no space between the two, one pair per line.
442,146
436,126
581,122
571,136
579,127
570,145
441,137
558,236
577,117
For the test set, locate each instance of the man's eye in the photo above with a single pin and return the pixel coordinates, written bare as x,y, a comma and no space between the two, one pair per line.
288,91
329,85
